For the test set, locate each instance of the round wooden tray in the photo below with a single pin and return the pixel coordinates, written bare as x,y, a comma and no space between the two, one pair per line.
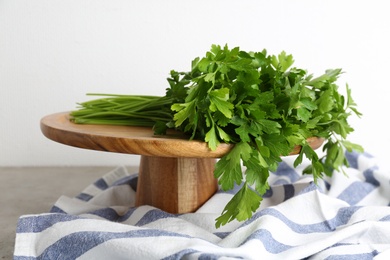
175,174
125,139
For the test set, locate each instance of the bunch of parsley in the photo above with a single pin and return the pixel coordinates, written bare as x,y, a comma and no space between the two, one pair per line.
256,101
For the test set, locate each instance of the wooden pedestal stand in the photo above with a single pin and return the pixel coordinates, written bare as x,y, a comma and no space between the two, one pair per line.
175,175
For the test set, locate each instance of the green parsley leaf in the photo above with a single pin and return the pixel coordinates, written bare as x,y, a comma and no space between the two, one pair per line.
240,207
219,101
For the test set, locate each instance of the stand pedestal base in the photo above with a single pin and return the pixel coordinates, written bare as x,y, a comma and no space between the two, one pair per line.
177,185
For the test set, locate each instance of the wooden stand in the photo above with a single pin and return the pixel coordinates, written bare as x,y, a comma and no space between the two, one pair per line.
175,175
177,185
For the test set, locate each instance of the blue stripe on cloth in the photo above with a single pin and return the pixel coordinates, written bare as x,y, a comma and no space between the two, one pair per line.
363,256
112,215
221,234
310,187
76,244
342,217
352,158
126,180
152,216
181,254
106,213
369,176
289,191
270,244
84,197
386,218
186,253
215,257
127,215
101,184
281,182
268,193
131,180
355,192
286,171
24,258
56,209
327,185
36,224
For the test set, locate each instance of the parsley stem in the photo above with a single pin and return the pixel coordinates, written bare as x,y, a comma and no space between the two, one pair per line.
123,110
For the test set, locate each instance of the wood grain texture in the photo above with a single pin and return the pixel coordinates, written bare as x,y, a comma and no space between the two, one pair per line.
133,140
177,185
125,139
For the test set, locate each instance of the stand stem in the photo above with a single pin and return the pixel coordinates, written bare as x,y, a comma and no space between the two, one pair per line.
175,185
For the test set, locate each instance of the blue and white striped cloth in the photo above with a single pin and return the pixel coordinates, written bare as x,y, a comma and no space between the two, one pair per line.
339,218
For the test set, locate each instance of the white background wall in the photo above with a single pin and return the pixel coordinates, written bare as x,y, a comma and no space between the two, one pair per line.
53,52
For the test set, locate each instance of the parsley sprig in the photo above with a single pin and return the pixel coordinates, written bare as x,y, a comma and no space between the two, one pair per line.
256,101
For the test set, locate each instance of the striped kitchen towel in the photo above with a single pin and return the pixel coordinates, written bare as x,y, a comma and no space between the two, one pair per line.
343,217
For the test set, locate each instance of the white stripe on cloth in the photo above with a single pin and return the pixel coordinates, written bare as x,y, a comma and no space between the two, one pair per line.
339,218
